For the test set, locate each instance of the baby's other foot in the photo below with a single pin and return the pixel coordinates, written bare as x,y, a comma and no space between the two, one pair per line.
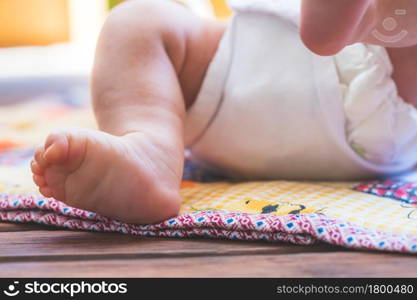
326,28
130,178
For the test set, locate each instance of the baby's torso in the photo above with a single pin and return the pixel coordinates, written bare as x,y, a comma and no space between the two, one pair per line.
271,109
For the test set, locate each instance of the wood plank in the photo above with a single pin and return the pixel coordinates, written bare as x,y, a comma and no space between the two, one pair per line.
11,227
71,245
330,264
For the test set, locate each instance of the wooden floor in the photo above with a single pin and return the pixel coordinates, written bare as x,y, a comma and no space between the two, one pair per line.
38,251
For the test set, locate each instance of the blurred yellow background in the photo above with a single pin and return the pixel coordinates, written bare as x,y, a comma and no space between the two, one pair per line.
36,22
43,22
221,9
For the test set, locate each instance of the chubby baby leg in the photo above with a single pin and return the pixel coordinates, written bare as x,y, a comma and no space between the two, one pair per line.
150,62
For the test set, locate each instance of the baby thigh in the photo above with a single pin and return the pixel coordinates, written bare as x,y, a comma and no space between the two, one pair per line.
156,62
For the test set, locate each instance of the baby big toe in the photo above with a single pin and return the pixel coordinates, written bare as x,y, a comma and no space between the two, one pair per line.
39,158
56,148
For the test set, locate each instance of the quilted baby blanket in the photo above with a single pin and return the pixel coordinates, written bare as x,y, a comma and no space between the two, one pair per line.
378,215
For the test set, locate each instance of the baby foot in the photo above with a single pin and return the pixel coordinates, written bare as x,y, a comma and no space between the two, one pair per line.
329,26
130,178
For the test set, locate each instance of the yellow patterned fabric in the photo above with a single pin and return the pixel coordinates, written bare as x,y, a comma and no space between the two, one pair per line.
336,200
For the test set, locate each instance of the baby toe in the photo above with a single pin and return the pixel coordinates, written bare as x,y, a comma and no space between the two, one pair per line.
35,168
56,148
45,191
39,180
38,157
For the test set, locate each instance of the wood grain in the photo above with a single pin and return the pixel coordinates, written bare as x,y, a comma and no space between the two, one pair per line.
333,264
70,245
11,227
33,250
